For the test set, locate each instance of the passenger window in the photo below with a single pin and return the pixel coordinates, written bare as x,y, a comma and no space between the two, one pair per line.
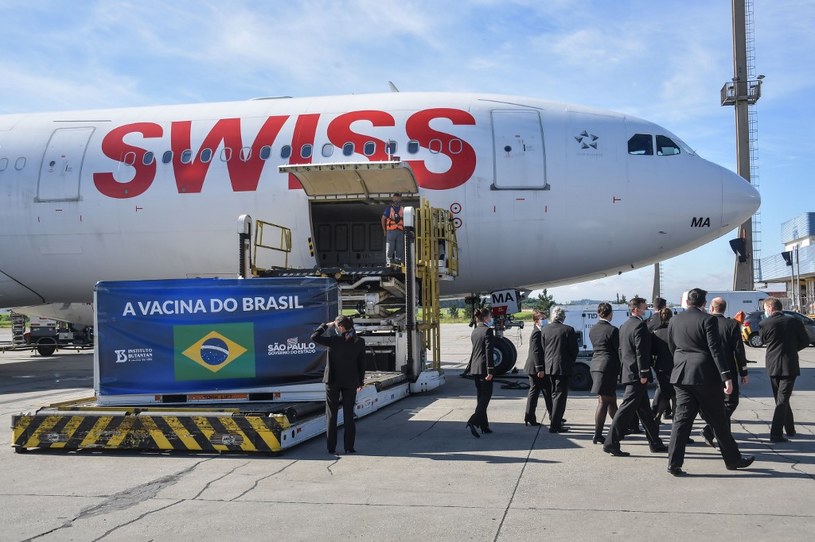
285,151
167,157
206,155
3,164
413,146
369,148
148,158
265,152
641,145
435,146
245,154
328,150
186,156
666,146
20,163
130,158
456,146
390,148
305,151
226,154
348,149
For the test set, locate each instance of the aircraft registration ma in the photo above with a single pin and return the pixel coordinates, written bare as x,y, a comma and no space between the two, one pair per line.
543,193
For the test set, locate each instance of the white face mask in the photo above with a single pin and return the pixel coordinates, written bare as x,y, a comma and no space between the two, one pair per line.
488,322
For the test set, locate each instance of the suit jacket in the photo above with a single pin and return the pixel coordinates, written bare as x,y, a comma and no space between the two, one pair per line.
660,351
654,321
732,345
559,343
481,363
605,343
693,337
534,360
346,359
635,350
784,336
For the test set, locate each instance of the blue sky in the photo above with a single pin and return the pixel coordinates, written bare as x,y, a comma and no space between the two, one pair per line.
663,61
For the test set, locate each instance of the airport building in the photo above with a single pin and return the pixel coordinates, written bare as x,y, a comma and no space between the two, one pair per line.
795,266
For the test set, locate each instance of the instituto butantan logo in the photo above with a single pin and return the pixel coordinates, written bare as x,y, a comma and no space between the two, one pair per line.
206,352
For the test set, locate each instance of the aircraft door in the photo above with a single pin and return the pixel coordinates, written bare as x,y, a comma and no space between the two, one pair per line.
62,164
518,147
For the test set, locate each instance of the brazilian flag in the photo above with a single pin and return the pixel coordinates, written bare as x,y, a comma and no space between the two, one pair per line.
214,352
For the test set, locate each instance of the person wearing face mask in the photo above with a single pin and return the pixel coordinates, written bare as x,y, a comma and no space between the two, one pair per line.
605,368
344,376
537,373
481,368
784,336
559,344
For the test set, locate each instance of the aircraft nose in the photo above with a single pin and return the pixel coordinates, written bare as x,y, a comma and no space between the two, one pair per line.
740,199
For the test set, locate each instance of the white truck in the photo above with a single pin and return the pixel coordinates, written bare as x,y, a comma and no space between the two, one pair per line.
747,301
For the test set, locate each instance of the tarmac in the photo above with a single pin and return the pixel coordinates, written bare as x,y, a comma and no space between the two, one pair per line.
419,474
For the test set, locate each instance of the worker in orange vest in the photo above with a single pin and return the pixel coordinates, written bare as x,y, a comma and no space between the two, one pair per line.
394,230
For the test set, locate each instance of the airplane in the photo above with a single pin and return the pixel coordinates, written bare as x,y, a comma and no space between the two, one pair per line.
543,193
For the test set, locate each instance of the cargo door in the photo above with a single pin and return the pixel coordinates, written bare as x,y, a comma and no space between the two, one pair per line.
62,164
518,147
347,201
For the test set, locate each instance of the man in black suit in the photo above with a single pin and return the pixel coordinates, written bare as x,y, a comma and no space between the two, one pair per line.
536,371
344,377
635,356
784,336
733,351
559,343
700,368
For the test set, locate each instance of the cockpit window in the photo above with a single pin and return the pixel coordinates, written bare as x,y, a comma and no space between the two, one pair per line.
666,146
641,144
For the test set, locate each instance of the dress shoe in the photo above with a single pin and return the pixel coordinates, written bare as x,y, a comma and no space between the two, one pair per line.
598,440
792,433
708,435
530,420
473,431
350,451
616,452
486,430
658,447
743,463
560,429
332,452
779,439
676,471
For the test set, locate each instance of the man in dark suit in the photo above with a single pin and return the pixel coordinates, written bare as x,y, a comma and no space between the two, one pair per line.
635,356
733,351
344,377
559,343
784,336
699,371
536,371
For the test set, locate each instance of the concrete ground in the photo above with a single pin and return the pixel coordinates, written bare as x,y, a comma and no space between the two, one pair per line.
419,474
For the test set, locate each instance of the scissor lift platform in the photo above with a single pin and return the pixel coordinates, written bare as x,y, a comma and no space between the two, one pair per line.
243,427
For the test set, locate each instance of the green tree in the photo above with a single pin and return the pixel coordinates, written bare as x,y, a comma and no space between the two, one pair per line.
621,299
453,312
543,302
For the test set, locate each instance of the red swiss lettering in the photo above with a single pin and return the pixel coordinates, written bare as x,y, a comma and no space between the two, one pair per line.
114,147
244,171
462,163
304,132
340,133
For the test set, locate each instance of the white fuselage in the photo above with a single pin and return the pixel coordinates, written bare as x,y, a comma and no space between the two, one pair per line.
545,193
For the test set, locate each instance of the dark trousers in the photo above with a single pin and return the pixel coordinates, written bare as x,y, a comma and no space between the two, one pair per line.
483,394
635,402
730,403
560,392
663,395
782,417
689,400
332,405
536,386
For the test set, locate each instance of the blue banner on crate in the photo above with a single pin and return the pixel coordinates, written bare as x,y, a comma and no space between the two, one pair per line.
210,335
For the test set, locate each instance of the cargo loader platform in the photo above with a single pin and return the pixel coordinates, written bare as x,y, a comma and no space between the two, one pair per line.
228,427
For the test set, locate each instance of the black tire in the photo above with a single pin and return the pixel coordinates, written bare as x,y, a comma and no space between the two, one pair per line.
504,355
755,341
46,347
581,377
